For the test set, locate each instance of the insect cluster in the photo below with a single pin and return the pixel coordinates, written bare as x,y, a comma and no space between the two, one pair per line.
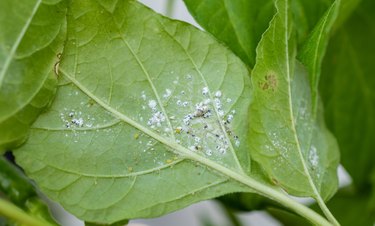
203,126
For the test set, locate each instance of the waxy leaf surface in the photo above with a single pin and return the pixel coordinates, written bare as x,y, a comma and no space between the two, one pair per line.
31,36
150,116
286,138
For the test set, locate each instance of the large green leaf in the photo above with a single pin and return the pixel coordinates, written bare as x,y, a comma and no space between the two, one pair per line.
150,116
241,23
31,35
291,144
347,88
238,23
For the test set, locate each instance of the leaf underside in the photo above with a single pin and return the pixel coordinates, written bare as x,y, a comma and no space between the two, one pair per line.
27,81
143,102
291,144
152,115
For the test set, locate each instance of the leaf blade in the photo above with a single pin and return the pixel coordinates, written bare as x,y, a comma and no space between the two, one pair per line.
284,132
26,85
346,90
239,24
77,185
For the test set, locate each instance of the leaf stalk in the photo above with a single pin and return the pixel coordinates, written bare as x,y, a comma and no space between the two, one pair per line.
13,212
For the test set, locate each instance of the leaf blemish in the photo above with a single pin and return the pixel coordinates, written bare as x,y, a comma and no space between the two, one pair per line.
211,139
270,82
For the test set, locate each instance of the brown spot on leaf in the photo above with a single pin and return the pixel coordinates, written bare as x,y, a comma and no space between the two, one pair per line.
270,82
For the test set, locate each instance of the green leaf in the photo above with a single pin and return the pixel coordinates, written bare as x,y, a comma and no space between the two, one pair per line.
346,9
18,189
238,23
146,121
306,15
126,145
27,58
293,146
352,209
347,89
315,47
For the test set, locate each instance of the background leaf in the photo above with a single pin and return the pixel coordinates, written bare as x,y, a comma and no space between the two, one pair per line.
130,113
27,82
17,188
314,48
238,23
347,89
294,148
306,15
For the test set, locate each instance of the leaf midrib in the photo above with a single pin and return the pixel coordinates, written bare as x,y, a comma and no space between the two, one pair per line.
17,42
316,194
166,141
237,177
210,96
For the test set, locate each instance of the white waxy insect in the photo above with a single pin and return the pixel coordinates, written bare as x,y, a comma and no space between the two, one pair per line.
205,90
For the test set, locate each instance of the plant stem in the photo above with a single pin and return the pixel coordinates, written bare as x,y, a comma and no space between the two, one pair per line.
273,194
11,211
326,211
169,5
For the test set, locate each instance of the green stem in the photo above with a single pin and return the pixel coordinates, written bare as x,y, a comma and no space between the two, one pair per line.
11,211
326,211
169,7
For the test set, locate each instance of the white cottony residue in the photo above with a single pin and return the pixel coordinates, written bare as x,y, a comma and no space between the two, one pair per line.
313,157
156,119
217,103
229,100
205,90
73,119
143,95
152,104
78,122
167,93
229,118
203,124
